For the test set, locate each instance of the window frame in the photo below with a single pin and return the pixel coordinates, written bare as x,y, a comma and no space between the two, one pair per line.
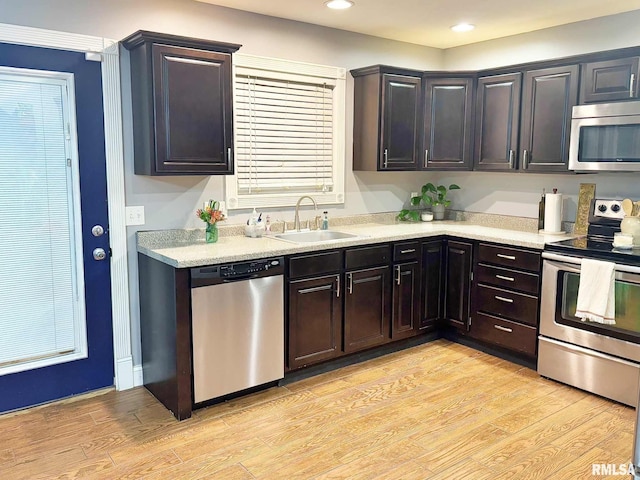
304,72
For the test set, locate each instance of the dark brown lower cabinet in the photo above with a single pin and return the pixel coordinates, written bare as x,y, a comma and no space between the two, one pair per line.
406,300
432,284
315,320
458,257
367,308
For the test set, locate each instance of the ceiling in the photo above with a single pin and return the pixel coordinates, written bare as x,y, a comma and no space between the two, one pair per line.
427,22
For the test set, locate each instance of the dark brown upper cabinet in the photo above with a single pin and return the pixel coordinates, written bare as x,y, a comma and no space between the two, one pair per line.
181,91
448,123
548,97
497,122
610,80
387,109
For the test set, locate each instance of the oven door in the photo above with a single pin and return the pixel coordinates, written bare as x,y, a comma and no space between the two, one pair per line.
602,359
560,280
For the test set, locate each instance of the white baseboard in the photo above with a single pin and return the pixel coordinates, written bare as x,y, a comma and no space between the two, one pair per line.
137,376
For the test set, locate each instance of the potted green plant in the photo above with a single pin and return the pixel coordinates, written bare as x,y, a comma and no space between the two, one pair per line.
430,196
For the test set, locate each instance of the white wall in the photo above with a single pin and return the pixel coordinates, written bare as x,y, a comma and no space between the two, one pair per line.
170,202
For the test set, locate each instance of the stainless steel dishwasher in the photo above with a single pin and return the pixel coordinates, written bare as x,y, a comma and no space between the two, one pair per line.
237,326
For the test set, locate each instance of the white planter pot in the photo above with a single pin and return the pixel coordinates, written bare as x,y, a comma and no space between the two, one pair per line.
438,211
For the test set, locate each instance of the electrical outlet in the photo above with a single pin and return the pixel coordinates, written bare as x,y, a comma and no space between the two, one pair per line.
134,216
414,194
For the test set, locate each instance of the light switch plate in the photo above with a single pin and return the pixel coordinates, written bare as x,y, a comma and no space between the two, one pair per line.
134,216
414,194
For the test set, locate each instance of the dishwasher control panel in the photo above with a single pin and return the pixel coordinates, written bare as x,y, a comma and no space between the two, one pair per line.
236,269
202,276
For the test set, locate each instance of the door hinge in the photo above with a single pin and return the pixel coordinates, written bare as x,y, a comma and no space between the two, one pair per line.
110,252
68,162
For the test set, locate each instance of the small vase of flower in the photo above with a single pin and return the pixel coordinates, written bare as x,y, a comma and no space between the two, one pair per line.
211,215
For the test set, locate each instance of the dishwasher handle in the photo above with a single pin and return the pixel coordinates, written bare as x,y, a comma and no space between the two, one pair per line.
240,278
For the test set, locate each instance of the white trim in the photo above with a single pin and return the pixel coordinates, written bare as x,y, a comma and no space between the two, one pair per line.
20,35
137,376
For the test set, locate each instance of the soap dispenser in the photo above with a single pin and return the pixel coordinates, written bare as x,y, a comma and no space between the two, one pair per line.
325,221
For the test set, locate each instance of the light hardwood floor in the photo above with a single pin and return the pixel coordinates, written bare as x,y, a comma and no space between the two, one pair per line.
437,411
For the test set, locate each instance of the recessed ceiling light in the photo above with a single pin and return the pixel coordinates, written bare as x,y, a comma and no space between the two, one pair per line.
339,4
463,27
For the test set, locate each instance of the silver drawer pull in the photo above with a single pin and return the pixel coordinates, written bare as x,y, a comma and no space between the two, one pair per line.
410,250
503,299
337,286
509,279
508,257
503,329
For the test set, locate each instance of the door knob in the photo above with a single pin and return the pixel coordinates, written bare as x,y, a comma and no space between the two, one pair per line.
99,254
97,230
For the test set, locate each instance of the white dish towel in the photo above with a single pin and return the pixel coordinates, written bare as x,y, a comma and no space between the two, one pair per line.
596,292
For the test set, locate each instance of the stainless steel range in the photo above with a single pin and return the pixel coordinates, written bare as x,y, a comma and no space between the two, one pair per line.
602,359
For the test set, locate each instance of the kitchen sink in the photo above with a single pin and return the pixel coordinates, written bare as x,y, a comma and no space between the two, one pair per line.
313,236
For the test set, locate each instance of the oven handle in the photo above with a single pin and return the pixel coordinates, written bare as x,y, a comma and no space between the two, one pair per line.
577,261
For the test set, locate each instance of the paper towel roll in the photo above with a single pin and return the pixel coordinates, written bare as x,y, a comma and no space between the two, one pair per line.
553,212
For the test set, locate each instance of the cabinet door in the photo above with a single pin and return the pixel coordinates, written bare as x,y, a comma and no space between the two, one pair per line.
610,80
367,308
400,118
432,283
458,283
406,304
192,111
497,120
547,100
315,320
448,123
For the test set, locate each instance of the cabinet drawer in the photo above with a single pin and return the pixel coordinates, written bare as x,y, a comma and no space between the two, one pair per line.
509,257
508,278
505,303
406,251
367,256
505,333
314,264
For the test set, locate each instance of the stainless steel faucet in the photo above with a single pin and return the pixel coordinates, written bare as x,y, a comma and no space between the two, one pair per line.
296,220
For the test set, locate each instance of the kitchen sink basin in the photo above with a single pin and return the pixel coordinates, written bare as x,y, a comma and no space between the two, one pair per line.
314,236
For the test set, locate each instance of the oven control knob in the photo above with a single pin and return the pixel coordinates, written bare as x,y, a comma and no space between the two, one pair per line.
615,207
602,207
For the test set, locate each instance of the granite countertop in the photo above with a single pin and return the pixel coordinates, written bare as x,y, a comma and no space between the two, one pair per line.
187,248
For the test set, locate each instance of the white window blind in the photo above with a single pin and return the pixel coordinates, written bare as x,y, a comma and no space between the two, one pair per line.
289,133
42,315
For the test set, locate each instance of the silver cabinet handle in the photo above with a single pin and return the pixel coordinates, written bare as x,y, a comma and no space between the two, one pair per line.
632,82
503,299
409,250
337,286
386,157
508,257
525,159
228,154
398,274
503,329
509,279
350,283
512,156
426,158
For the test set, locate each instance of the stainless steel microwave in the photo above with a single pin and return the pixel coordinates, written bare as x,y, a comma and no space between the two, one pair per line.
605,137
